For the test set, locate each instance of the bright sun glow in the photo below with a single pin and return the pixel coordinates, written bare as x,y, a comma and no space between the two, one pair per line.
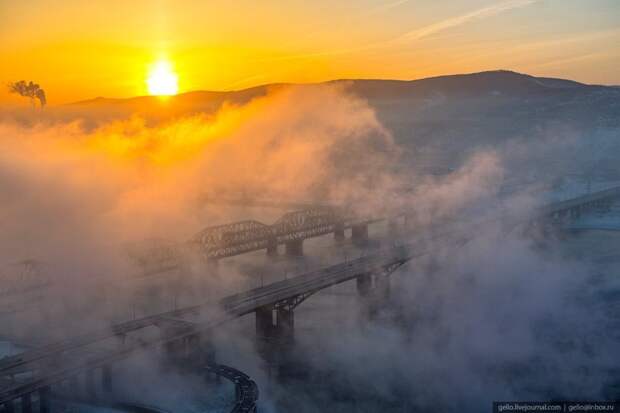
162,80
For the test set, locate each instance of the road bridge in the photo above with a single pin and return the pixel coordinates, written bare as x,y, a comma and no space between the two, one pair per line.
575,207
273,305
594,226
246,390
22,277
60,361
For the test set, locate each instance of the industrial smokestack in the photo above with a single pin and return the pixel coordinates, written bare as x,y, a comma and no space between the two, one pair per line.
30,90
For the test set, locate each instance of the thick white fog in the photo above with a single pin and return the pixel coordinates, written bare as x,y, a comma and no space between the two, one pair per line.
523,313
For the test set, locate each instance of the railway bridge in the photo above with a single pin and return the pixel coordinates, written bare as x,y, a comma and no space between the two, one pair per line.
29,378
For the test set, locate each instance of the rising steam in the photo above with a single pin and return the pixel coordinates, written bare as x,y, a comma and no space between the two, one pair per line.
495,319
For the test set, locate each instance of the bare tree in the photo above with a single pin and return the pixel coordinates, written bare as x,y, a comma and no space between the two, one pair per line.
30,90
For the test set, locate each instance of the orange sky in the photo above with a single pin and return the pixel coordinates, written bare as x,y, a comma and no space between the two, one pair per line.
79,50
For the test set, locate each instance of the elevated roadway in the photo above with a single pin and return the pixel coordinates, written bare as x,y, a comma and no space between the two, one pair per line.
59,361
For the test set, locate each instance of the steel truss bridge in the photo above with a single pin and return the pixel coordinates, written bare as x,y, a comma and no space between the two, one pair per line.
293,227
232,239
33,373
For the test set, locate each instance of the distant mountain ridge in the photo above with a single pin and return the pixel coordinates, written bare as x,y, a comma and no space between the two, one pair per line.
497,81
442,121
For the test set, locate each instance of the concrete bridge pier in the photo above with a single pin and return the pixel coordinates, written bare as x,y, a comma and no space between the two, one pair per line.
9,407
174,351
374,290
359,234
209,351
375,285
339,232
191,346
275,324
106,378
26,403
264,322
275,336
70,386
295,248
198,347
190,350
91,389
272,247
44,399
364,284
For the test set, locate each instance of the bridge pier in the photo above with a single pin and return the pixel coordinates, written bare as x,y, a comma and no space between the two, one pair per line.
174,350
359,234
91,390
26,403
199,348
295,248
208,357
364,284
73,385
188,350
374,289
377,285
106,378
44,399
208,351
339,232
9,407
272,247
275,324
275,336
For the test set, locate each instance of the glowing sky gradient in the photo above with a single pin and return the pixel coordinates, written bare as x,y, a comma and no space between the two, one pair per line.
78,49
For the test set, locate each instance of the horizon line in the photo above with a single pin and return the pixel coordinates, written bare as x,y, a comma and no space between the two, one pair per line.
284,83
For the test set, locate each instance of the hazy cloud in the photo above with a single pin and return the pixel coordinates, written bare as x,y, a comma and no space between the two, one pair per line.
415,34
451,22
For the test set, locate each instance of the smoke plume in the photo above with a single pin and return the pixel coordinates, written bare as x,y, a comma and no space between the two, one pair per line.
30,90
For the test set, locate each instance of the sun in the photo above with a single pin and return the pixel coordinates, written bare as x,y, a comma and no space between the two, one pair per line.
162,81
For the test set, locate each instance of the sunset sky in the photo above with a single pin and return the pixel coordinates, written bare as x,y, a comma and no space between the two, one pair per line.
82,49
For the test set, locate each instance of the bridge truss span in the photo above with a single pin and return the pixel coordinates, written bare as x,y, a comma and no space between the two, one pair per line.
59,361
232,239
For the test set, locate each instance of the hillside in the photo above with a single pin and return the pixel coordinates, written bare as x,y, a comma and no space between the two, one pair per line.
500,82
443,120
